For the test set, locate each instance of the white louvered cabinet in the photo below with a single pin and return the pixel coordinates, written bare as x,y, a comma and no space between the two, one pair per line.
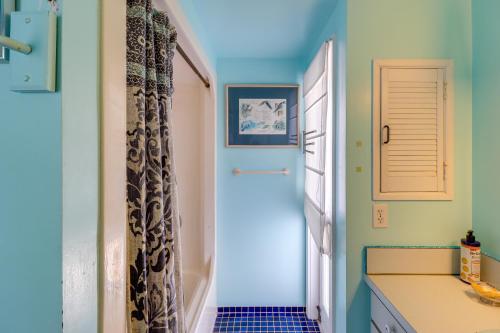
413,130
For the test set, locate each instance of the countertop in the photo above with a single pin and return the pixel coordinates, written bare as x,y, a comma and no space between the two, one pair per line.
434,303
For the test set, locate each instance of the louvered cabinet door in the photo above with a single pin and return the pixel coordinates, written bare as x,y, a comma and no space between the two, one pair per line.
412,130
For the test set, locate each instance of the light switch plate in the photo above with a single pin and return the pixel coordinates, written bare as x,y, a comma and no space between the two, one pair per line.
34,72
380,216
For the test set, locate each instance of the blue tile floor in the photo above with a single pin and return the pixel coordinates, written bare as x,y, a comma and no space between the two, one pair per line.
264,319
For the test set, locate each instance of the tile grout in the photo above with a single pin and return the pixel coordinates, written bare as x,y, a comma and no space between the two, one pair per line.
264,319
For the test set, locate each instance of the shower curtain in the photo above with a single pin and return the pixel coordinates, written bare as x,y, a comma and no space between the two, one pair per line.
155,297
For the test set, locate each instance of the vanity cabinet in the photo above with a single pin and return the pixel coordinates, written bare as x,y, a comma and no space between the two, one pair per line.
418,290
382,319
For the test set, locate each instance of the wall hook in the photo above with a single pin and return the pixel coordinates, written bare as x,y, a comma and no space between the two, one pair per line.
15,45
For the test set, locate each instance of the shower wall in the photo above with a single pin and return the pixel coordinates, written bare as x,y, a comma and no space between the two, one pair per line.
187,121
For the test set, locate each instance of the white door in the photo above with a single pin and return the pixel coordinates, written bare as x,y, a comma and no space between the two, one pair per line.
318,141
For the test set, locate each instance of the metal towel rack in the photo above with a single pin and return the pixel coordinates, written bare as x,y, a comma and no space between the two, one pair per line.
238,172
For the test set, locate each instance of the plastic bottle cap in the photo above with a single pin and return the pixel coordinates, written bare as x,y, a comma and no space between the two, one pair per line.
470,236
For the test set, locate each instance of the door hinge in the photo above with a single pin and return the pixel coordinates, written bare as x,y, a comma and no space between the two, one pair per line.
444,170
445,90
319,313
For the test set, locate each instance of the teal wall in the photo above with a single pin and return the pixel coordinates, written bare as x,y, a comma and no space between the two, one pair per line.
260,225
51,146
188,7
403,29
486,139
30,207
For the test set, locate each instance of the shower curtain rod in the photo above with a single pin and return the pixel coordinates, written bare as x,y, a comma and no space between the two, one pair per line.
205,80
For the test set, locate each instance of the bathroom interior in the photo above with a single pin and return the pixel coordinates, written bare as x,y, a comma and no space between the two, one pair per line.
350,215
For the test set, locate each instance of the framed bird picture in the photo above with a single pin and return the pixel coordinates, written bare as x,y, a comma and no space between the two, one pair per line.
264,115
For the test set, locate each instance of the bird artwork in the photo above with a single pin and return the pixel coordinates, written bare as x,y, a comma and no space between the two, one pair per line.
278,108
261,115
266,103
266,116
246,110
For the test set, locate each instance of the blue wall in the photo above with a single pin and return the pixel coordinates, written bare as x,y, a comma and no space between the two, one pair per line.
192,16
486,118
260,226
30,207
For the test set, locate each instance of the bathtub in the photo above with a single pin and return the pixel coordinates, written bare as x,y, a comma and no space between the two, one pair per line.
194,131
200,316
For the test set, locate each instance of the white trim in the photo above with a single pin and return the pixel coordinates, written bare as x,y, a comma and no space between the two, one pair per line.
113,276
80,167
446,64
312,277
327,323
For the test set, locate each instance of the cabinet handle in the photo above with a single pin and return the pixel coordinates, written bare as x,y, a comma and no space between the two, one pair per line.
388,137
388,329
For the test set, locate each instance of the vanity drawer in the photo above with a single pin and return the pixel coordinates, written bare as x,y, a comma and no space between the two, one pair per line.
382,318
373,328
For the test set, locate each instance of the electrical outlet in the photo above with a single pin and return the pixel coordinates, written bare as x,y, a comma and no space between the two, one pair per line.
380,216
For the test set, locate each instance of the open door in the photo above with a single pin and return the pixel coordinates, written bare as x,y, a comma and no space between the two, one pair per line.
318,143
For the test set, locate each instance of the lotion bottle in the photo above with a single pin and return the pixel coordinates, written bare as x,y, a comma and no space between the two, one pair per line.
470,258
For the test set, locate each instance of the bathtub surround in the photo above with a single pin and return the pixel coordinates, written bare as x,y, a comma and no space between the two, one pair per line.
191,125
486,118
155,293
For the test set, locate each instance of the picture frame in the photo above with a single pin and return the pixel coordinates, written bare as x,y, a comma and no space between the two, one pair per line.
6,7
262,115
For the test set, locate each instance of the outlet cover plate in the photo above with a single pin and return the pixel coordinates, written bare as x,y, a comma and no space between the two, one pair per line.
380,215
34,72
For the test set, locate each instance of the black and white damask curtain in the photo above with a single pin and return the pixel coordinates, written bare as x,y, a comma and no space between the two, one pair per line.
155,297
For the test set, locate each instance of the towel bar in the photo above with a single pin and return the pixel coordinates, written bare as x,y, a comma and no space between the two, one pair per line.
284,172
15,45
